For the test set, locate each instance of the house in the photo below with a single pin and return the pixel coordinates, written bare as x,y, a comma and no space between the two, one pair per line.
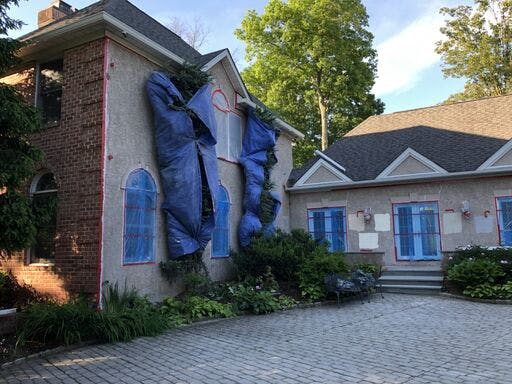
412,186
87,71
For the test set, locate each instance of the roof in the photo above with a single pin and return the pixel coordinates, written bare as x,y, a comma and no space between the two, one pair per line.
458,137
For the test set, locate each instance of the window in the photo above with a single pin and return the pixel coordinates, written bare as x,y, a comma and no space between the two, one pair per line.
504,211
328,224
417,235
220,237
229,128
50,91
139,218
44,206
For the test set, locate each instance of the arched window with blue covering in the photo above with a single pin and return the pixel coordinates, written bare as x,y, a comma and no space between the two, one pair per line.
220,237
139,218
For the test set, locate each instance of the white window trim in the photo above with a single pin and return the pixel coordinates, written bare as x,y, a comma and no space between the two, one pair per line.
489,163
321,163
409,152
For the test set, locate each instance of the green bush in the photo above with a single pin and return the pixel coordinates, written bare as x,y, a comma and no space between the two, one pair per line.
246,298
366,267
501,256
474,272
125,315
192,308
14,294
489,291
57,323
282,252
312,273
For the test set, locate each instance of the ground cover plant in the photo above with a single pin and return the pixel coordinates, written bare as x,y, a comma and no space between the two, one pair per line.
481,273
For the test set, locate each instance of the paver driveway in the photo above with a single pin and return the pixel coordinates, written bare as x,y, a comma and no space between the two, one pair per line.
401,339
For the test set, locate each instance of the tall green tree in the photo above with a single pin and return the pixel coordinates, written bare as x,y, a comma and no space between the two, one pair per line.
18,158
478,47
312,61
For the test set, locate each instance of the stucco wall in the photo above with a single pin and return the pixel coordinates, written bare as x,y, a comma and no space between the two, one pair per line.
455,230
130,145
411,166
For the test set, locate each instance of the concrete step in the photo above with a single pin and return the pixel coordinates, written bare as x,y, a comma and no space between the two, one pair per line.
412,271
411,289
435,281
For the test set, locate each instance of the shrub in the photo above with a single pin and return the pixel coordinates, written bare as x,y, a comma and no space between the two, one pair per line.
282,252
489,291
501,256
57,323
366,267
246,298
16,295
474,272
193,308
312,272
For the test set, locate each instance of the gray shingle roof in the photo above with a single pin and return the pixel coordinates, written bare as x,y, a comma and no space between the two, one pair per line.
131,15
458,137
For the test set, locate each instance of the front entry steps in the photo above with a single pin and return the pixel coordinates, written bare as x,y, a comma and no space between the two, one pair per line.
417,280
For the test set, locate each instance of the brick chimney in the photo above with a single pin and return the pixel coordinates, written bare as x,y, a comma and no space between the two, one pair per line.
57,10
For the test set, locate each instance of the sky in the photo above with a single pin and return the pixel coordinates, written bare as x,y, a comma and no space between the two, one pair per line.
405,31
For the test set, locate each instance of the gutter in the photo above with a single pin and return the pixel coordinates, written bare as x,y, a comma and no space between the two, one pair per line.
334,186
294,133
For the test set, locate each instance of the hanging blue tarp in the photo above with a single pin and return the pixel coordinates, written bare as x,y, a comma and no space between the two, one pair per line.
258,138
179,153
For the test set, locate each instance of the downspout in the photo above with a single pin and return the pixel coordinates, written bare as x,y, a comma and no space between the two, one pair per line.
99,269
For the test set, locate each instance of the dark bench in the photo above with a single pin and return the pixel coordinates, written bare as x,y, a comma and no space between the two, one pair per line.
359,283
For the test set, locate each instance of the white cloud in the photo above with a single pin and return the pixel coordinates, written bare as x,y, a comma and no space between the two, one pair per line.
405,55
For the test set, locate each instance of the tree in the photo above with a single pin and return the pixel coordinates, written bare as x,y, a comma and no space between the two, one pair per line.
478,47
312,61
194,33
18,158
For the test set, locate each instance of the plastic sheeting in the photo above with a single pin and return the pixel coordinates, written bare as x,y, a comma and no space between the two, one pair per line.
258,138
178,159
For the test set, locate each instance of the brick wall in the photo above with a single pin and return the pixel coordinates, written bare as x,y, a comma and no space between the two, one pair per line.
73,153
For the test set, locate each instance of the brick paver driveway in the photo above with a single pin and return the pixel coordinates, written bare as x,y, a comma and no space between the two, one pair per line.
401,339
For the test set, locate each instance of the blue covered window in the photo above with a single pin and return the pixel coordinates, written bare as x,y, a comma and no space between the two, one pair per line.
328,224
417,235
220,236
139,218
504,207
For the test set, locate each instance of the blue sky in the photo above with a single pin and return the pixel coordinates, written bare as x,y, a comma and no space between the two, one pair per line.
405,31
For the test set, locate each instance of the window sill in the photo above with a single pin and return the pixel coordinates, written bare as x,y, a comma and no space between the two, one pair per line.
138,263
219,257
42,265
51,124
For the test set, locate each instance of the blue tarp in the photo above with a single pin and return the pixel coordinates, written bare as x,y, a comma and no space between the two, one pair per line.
178,158
258,138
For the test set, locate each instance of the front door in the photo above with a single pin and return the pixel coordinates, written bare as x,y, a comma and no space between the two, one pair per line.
417,235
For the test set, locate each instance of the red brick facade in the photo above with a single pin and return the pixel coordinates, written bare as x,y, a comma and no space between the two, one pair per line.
73,152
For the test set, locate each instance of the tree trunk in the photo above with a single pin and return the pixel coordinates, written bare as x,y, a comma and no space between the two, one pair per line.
323,119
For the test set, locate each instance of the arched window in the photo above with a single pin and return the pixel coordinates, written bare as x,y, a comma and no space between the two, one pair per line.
220,237
44,206
139,218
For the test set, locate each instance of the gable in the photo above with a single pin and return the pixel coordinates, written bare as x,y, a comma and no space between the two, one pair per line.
411,166
322,173
410,163
501,159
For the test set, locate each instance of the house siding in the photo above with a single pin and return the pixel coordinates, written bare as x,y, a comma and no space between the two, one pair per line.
456,231
73,152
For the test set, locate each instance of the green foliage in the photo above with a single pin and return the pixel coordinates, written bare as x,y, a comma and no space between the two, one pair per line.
174,269
192,308
366,267
125,315
246,298
57,323
478,47
283,252
501,256
196,283
473,272
189,78
14,294
312,272
265,115
309,55
18,121
490,291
